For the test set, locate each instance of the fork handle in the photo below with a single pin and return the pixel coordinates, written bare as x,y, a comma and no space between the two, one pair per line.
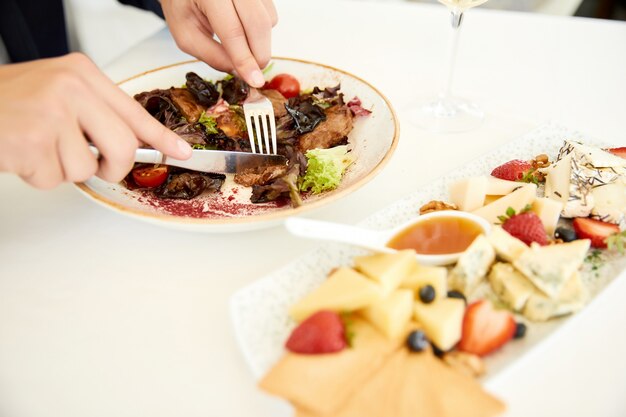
146,156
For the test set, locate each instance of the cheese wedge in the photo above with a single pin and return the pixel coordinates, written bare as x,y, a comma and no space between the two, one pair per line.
549,211
344,290
469,193
557,180
417,385
391,314
507,247
572,298
592,155
423,275
511,286
442,321
499,187
472,266
388,269
321,384
550,267
518,199
610,203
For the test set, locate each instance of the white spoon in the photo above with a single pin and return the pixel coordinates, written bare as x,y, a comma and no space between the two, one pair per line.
376,240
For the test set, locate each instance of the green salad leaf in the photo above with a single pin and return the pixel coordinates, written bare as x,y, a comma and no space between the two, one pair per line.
325,169
209,123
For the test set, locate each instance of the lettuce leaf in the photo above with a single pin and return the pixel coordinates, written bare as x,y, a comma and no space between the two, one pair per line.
325,168
209,123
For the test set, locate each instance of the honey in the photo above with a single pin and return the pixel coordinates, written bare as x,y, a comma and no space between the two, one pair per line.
437,236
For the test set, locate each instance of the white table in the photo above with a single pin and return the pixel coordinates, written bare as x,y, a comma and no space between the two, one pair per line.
104,316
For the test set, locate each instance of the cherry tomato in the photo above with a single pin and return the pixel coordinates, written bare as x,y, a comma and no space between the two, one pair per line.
286,84
150,176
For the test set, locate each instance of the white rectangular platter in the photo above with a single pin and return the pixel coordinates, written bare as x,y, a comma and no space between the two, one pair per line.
259,311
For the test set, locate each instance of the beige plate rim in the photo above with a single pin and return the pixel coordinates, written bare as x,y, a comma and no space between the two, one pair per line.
273,216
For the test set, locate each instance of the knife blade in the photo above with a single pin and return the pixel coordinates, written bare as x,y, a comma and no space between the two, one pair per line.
227,162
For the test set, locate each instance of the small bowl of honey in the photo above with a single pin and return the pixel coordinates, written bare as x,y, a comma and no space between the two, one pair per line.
440,237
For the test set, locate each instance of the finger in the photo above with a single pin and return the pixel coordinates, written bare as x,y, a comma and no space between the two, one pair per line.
271,11
200,43
258,27
115,141
131,114
47,172
78,163
225,21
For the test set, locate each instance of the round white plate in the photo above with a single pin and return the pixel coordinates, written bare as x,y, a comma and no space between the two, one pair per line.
372,141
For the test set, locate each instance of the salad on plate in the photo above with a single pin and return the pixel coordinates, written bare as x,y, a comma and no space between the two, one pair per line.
312,132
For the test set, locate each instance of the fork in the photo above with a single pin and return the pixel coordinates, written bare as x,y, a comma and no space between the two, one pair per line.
259,113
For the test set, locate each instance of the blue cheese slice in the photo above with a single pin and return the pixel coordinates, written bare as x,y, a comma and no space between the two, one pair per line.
550,267
510,285
472,266
507,247
572,298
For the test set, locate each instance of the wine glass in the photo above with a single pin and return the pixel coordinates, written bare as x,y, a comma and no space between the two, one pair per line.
446,113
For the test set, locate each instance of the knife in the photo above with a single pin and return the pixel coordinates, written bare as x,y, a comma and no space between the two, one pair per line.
227,162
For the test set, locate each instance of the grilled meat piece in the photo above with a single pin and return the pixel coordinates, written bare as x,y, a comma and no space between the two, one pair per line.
330,132
188,185
187,104
278,102
260,175
283,188
232,124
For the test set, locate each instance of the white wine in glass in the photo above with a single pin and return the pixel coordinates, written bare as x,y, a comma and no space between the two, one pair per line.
447,113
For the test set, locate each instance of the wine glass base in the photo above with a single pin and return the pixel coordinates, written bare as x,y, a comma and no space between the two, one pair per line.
450,115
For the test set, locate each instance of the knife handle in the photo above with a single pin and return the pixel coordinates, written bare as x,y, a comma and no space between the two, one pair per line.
146,156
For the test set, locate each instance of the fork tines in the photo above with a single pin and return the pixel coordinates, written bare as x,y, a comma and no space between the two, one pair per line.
261,126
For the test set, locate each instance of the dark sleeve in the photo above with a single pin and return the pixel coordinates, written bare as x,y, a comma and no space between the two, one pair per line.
152,5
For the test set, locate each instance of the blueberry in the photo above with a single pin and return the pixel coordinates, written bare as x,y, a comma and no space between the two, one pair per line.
417,341
520,331
427,294
457,294
565,234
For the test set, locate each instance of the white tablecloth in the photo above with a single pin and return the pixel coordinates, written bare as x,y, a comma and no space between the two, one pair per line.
101,315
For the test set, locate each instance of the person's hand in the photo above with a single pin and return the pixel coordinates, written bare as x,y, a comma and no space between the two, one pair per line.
48,109
243,27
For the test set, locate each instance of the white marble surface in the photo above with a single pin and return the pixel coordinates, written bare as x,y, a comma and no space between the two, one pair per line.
101,315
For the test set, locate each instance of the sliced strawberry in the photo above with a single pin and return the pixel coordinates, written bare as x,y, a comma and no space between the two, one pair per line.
621,152
323,332
514,170
485,329
595,230
527,227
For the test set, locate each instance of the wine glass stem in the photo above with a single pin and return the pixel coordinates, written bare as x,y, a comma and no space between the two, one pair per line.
457,19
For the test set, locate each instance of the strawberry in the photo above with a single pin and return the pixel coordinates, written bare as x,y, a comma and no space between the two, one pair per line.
595,230
485,329
323,332
515,170
621,152
526,226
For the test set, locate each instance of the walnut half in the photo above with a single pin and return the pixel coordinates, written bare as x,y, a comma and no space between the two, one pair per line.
435,205
466,363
